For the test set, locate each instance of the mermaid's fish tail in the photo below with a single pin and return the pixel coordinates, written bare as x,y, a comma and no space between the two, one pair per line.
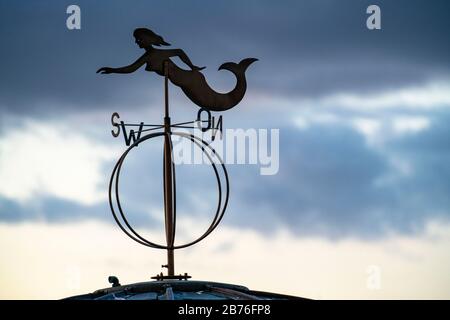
201,93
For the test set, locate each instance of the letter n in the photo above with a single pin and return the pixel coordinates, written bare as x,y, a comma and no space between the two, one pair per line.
214,128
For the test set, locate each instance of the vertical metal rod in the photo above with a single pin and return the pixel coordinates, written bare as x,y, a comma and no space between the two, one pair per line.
166,89
168,178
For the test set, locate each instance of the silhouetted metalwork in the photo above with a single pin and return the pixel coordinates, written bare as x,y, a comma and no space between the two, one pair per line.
160,277
181,290
114,281
194,85
223,193
192,82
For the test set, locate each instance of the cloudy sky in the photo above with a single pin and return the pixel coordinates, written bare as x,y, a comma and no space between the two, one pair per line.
361,196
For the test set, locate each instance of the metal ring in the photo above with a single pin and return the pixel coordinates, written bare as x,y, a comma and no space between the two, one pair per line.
115,175
219,212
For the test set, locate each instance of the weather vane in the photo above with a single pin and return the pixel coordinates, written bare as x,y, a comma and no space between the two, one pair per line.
193,84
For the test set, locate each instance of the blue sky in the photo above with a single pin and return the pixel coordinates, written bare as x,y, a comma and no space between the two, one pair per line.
363,115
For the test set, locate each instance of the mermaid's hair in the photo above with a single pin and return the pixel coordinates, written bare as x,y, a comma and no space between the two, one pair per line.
154,38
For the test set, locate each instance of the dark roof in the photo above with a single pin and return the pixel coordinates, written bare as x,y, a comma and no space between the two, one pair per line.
180,290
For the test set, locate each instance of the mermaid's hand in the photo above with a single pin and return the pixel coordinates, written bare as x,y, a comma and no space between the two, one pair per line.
105,70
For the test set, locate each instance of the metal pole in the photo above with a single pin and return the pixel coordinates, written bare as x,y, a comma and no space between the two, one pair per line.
168,179
166,90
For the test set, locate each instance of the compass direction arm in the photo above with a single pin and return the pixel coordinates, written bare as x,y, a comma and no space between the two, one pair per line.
151,129
186,123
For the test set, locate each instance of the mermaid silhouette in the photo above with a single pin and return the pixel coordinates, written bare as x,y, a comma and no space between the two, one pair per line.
192,82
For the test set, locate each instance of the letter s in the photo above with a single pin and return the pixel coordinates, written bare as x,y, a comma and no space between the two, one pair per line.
115,124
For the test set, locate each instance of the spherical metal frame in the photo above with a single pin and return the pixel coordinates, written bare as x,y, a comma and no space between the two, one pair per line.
220,211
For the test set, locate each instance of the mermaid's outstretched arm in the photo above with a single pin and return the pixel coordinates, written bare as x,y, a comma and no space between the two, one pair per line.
183,56
127,69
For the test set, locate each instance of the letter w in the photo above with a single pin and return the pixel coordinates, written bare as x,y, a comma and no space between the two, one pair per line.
131,136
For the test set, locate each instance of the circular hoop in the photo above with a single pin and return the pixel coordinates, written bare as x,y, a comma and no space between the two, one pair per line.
220,211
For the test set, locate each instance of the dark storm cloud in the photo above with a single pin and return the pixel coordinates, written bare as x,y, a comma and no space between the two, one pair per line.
305,48
47,209
428,153
326,186
52,209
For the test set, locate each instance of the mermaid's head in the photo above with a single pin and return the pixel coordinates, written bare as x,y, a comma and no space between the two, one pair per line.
146,38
